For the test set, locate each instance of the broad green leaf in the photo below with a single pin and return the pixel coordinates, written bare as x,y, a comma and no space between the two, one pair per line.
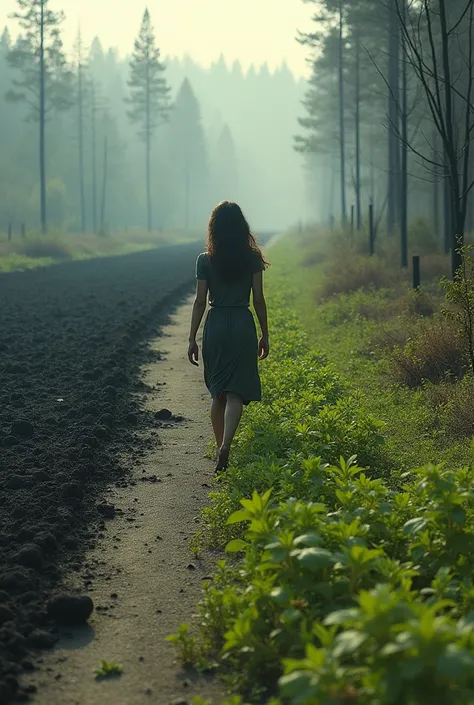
414,526
341,616
458,515
299,686
455,662
239,516
308,540
314,558
348,642
236,545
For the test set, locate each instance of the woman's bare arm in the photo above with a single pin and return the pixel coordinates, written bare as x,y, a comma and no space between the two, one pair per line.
199,309
260,307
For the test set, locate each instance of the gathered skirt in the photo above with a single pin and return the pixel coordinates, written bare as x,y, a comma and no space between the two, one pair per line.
230,353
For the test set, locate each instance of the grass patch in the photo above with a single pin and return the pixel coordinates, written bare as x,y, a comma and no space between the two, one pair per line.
364,333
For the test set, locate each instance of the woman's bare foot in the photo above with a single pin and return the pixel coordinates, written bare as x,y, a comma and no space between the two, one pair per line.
223,459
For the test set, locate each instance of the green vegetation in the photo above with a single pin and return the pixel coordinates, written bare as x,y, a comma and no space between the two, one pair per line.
354,582
391,344
107,669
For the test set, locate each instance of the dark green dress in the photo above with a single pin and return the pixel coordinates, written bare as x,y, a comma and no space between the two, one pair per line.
230,346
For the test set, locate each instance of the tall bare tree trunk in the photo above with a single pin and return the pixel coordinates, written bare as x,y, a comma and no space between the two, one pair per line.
80,106
104,188
404,164
436,200
42,122
357,134
448,219
148,151
342,136
456,212
393,116
94,159
186,194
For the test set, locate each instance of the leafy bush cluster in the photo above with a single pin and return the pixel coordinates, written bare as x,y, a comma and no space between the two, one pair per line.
349,590
305,410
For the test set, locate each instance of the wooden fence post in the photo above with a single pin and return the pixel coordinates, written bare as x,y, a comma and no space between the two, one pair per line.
416,272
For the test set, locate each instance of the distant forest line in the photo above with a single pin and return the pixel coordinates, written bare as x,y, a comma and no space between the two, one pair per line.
234,130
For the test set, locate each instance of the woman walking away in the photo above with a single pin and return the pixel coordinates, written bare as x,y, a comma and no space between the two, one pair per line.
231,268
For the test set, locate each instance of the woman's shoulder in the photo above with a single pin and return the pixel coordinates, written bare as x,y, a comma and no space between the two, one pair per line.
257,261
202,265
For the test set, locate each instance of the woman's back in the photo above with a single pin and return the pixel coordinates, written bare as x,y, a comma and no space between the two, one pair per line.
226,292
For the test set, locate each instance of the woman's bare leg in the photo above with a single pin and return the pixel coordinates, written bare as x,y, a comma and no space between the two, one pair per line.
217,417
232,416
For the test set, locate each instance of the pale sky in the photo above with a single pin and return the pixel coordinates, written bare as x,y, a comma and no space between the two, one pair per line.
254,31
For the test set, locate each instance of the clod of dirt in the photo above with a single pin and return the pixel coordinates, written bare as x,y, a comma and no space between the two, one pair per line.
6,693
22,428
6,615
30,556
47,542
16,580
10,441
70,609
39,639
72,489
191,566
16,482
107,510
163,415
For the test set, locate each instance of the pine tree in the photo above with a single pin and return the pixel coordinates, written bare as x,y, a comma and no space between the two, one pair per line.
46,81
225,168
189,156
80,90
148,95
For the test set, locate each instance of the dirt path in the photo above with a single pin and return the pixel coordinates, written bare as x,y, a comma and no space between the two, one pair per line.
142,576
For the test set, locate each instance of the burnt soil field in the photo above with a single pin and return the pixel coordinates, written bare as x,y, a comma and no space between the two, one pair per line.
72,338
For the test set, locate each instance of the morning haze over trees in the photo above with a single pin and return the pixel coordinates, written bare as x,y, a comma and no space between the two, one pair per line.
94,142
378,137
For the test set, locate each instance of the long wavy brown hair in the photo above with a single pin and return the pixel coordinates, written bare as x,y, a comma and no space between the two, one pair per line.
231,246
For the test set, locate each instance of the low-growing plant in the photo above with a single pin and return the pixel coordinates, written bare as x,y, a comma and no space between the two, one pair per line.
107,669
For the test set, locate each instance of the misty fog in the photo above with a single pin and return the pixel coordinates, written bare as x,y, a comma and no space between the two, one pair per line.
233,129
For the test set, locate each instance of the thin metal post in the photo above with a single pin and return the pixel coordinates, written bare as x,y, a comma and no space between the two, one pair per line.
416,272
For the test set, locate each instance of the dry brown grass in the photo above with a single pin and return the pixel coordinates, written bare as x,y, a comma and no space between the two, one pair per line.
454,404
433,353
59,246
351,271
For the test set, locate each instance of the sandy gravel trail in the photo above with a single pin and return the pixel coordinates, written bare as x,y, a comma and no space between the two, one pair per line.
142,575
